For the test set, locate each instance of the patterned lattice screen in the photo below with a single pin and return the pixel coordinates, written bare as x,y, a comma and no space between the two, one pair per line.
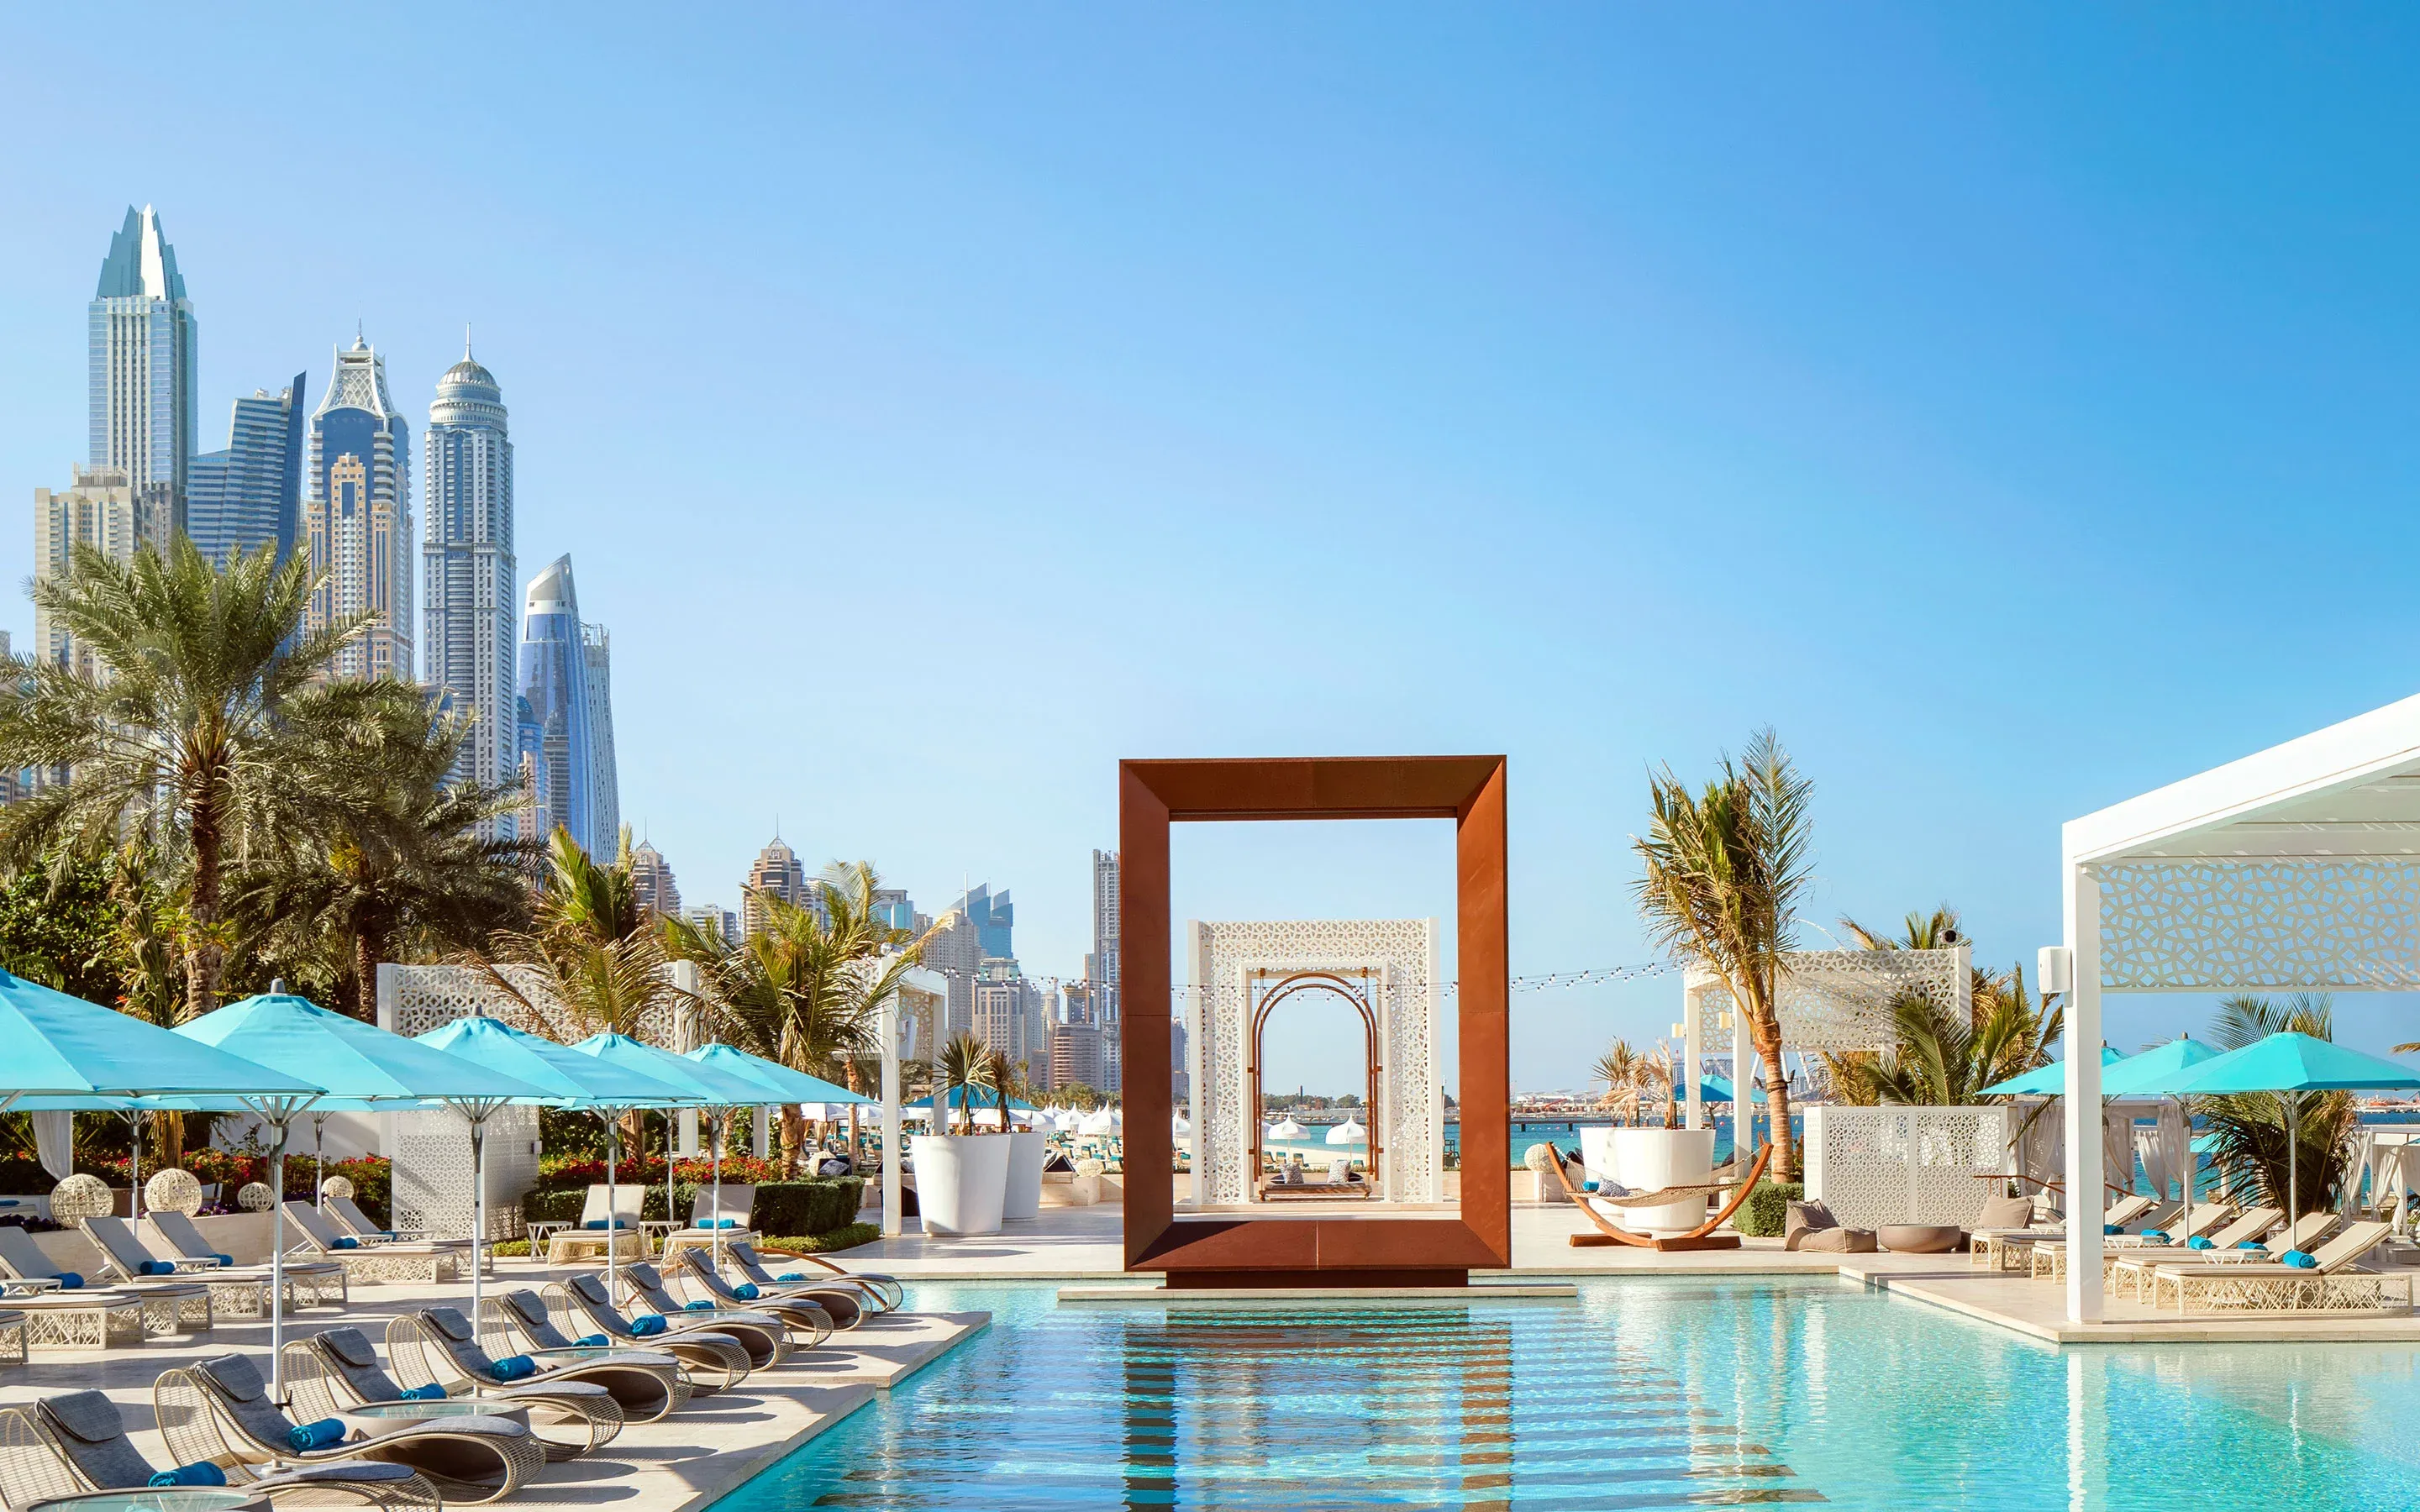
1904,1165
430,997
2279,923
1840,1000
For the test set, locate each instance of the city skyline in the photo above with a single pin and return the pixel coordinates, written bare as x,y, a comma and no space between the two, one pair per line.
468,644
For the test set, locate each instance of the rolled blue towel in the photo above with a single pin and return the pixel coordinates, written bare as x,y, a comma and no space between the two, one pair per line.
599,1224
346,1243
224,1259
69,1281
325,1433
2298,1261
2199,1242
701,1306
791,1275
2249,1243
2113,1229
200,1473
2154,1236
1587,1186
430,1392
157,1267
513,1367
726,1223
745,1291
652,1323
593,1339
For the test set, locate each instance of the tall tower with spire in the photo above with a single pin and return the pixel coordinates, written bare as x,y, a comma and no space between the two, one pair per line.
467,642
142,359
357,515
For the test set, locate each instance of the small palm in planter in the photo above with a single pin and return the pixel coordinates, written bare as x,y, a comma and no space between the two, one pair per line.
961,1179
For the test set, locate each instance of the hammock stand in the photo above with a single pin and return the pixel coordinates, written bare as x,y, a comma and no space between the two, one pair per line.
1701,1238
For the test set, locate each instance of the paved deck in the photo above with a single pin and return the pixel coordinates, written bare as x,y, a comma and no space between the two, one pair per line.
2039,1309
684,1462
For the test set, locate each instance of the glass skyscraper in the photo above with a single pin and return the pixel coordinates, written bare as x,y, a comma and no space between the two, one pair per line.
357,515
141,372
250,495
467,644
569,695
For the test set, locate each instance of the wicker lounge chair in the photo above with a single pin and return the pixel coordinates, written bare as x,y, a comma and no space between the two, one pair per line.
2303,1235
330,1372
1995,1248
321,1282
2049,1255
75,1444
698,1345
811,1314
371,1263
14,1339
647,1383
886,1292
1701,1238
72,1313
2129,1270
218,1410
125,1257
744,1323
617,1207
2332,1286
358,1224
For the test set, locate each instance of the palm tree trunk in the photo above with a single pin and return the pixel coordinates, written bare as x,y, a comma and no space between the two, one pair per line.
793,1134
369,949
203,960
1776,1098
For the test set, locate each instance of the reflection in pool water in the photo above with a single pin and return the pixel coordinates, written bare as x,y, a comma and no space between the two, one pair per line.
1642,1393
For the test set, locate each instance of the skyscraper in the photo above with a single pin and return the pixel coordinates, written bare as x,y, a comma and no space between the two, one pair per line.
555,681
1101,968
651,881
250,495
142,359
357,515
778,874
101,510
604,784
992,917
467,644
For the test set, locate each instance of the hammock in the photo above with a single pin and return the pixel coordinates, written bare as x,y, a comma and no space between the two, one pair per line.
1702,1237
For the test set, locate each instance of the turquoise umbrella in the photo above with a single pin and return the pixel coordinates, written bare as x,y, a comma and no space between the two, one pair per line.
573,1080
363,1066
785,1085
717,1090
65,1052
2291,1064
2156,1071
1717,1088
2043,1081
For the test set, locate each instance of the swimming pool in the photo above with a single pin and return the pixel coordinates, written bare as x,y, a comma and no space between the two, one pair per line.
1643,1393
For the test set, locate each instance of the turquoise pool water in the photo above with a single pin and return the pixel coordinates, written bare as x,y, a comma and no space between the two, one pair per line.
1643,1393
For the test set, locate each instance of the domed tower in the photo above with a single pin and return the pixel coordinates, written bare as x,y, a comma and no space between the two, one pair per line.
467,630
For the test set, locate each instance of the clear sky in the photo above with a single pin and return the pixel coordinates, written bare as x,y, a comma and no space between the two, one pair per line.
2010,403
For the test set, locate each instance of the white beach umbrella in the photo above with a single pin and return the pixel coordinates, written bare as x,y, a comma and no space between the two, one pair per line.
1287,1129
1179,1125
1101,1121
1066,1120
1347,1132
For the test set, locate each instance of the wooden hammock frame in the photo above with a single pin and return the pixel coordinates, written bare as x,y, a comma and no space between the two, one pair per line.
1701,1238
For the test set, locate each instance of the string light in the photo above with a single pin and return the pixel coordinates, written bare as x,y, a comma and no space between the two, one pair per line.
1587,976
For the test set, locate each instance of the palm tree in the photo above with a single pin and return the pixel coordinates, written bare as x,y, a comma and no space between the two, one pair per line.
1941,1060
1724,873
394,853
591,945
1618,1068
179,732
2250,1137
965,1061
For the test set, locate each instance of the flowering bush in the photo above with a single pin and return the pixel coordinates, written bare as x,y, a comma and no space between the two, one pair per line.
580,1172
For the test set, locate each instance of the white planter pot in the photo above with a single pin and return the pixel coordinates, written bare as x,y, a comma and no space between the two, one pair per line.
961,1182
1026,1149
1647,1160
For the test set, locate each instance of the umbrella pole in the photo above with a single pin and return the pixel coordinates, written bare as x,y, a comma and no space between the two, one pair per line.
134,1166
612,1212
277,1268
320,1164
479,1218
669,1216
2292,1104
714,1132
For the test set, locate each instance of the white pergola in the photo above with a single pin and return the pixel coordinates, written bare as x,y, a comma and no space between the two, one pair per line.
2295,868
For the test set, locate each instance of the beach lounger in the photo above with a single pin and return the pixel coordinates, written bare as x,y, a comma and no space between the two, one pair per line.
2012,1249
2303,1235
2049,1255
692,1338
371,1263
358,1224
717,1212
601,1226
308,1283
242,1291
75,1444
741,1323
814,1315
647,1383
886,1291
77,1314
2129,1270
2330,1286
330,1372
218,1410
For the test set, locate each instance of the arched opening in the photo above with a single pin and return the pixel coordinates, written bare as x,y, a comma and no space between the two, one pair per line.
1269,990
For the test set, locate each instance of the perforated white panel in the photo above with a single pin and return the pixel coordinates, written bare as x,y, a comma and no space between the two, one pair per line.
432,1171
430,997
2314,923
1841,999
1904,1165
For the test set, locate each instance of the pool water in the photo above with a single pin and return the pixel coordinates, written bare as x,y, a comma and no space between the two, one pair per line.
1644,1392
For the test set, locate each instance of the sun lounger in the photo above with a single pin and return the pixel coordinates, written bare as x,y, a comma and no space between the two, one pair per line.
75,1444
244,1291
885,1292
358,1224
2303,1235
218,1410
79,1315
814,1316
2012,1249
370,1263
2049,1255
2129,1270
330,1372
2329,1285
715,1214
741,1323
693,1338
308,1283
647,1383
600,1229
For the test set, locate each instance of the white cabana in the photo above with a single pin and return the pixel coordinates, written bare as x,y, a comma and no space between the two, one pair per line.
2296,869
1347,1132
1101,1121
1286,1129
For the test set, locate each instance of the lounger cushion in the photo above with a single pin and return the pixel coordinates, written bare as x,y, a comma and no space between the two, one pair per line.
2005,1213
1838,1240
87,1414
1802,1218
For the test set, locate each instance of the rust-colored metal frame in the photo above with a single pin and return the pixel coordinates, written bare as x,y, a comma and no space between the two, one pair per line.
1345,1249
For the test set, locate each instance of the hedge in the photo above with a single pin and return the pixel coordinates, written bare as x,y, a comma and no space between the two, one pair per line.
800,1208
1767,1208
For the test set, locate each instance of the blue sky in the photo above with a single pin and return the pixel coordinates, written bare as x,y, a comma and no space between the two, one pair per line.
2013,405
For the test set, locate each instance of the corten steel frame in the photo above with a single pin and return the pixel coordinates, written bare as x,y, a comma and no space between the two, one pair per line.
1289,983
1316,1250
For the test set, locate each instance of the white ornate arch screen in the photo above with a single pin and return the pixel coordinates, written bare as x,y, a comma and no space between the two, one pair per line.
1829,1000
1400,957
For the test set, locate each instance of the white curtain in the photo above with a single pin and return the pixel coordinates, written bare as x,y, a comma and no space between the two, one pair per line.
2118,1149
55,1142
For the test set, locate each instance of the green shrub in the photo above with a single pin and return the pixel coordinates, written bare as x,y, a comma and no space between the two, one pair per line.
1767,1208
815,1207
847,1237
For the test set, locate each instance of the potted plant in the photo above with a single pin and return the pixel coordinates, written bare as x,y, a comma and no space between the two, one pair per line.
1026,1149
961,1179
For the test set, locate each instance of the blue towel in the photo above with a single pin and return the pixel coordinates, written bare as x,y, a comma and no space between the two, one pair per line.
701,1306
596,1338
430,1392
157,1267
321,1435
2199,1242
598,1224
200,1473
224,1259
2298,1261
2249,1243
1587,1186
513,1367
652,1323
346,1243
2154,1236
725,1223
69,1280
791,1275
2113,1229
745,1291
